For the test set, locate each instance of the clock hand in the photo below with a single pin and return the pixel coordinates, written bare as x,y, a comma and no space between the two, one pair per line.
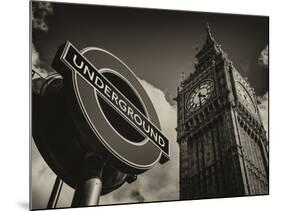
200,95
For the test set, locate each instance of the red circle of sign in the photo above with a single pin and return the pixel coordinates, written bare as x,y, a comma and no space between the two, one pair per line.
137,156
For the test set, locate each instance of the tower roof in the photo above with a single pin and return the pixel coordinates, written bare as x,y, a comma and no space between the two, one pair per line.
209,49
210,43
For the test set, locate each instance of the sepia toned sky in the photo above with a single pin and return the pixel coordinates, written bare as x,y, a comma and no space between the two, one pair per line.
157,45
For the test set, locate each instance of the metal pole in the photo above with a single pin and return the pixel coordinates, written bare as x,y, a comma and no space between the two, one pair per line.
53,200
88,190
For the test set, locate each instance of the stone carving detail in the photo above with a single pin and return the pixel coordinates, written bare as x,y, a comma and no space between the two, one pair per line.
222,144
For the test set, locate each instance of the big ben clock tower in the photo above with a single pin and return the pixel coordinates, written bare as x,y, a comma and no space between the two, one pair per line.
223,145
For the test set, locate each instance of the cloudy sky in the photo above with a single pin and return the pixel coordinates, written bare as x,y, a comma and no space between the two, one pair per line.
157,45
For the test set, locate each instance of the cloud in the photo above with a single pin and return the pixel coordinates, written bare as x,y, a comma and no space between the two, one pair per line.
39,12
137,195
161,183
263,108
36,62
263,100
263,59
42,179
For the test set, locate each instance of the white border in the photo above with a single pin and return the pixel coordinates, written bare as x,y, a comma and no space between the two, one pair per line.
14,110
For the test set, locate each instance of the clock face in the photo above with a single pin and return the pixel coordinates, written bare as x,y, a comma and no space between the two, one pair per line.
245,97
199,95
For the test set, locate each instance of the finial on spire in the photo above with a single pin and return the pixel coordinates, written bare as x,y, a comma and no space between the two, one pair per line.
182,77
208,29
209,34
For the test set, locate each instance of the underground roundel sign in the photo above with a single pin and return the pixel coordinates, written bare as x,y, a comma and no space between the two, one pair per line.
114,115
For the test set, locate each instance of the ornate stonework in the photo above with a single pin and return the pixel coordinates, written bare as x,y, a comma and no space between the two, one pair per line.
223,145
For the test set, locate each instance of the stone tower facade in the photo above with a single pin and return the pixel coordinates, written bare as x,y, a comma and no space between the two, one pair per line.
223,145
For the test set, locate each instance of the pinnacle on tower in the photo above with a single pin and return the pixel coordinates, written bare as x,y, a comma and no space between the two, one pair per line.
208,31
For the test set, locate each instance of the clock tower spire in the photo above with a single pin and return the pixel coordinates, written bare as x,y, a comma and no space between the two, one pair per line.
223,145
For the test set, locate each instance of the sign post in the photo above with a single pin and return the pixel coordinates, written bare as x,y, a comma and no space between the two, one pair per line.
54,197
88,189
